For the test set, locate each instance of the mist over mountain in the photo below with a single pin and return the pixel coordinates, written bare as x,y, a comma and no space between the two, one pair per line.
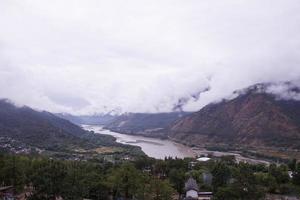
147,124
256,116
97,119
150,100
87,58
25,128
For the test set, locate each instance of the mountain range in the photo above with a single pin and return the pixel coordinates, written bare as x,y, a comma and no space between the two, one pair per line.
26,129
147,124
254,117
97,119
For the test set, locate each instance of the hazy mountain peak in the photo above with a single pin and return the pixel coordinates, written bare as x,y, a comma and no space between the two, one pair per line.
281,90
254,116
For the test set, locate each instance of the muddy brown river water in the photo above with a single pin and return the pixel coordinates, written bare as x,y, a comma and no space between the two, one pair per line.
159,149
153,147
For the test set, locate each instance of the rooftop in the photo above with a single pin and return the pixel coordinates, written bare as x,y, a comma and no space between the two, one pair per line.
191,184
203,159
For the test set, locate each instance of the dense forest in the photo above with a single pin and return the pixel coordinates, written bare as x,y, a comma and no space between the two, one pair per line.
144,178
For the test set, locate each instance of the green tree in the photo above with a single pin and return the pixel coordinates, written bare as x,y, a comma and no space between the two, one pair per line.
296,175
280,173
177,179
161,190
12,171
221,175
125,181
245,184
267,181
292,164
47,179
226,193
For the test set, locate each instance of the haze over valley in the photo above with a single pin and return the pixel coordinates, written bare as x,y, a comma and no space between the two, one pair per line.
149,100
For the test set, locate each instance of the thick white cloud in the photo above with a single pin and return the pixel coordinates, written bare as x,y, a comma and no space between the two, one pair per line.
92,56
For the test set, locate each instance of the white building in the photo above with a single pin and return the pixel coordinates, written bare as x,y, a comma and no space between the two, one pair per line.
191,188
192,191
203,159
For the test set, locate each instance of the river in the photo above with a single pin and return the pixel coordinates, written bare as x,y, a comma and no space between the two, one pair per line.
153,147
159,149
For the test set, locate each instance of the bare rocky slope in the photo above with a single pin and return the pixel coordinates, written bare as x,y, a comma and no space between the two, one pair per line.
254,117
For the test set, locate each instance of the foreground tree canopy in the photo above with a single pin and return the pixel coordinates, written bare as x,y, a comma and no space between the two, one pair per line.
144,178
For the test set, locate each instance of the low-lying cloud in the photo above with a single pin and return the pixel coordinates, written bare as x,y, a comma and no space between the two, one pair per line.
143,56
285,91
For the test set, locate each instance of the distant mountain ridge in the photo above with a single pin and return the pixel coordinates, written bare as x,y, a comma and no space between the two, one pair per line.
256,116
97,119
45,130
147,124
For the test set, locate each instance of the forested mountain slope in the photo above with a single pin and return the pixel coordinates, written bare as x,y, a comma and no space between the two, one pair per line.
23,127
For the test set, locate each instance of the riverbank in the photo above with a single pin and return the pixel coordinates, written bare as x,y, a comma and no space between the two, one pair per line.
151,133
241,155
246,153
152,147
161,148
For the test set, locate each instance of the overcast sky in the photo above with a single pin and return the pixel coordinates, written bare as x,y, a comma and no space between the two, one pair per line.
143,56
